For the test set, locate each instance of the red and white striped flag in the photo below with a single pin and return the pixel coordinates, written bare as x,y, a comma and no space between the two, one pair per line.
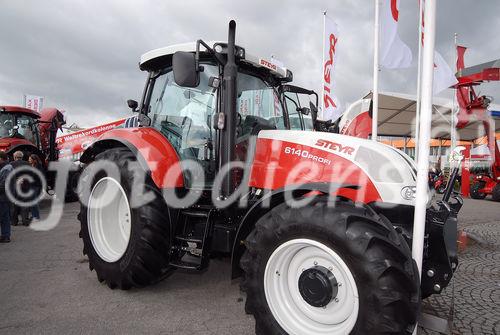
394,53
330,110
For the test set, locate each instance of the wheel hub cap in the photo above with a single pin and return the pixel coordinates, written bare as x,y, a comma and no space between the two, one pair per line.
310,289
318,286
109,219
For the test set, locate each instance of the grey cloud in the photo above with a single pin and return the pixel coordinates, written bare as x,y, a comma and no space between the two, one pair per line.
83,55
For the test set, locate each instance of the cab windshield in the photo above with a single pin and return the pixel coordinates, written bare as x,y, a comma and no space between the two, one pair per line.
18,126
184,115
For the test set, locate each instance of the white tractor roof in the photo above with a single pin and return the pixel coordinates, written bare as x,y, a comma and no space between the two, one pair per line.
268,64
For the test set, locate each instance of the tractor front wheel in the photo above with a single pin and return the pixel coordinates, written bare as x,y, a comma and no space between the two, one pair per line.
474,191
127,246
495,193
329,270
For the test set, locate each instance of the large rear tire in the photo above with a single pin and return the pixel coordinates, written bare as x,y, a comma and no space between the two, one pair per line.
127,247
474,190
72,186
324,270
495,193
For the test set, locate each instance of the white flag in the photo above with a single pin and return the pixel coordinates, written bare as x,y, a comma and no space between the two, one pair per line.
330,110
443,75
33,102
394,53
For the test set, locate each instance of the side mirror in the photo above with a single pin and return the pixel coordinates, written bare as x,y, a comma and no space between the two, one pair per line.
314,111
132,104
304,110
186,73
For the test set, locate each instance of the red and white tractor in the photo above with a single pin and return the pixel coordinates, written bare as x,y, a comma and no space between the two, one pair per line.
319,225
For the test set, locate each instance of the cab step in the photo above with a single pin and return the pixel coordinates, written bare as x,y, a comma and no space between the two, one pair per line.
193,252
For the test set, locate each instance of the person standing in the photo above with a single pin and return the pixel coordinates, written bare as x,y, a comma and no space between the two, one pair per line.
36,163
16,209
5,169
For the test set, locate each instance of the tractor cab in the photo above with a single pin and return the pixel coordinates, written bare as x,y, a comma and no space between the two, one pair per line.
18,128
190,115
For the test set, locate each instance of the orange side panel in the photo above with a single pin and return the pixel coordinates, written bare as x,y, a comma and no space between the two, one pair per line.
272,166
158,153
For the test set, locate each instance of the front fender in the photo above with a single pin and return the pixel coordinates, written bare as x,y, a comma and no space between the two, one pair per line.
264,205
153,151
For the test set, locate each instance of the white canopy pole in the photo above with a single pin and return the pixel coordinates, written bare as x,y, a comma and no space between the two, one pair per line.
419,76
425,133
376,34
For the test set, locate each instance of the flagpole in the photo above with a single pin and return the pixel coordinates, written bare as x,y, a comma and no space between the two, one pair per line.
323,68
453,129
376,35
425,133
419,75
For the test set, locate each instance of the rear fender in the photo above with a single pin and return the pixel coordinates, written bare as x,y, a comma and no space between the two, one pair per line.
153,151
264,205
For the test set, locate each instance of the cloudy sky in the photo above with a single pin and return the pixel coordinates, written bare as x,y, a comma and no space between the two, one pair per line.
83,55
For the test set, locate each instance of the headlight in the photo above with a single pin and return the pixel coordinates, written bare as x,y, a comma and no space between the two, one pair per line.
479,177
409,192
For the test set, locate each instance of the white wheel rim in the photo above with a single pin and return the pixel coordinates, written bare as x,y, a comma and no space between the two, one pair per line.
287,305
108,218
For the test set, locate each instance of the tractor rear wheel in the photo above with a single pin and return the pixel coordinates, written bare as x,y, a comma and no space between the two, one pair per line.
495,193
126,246
329,270
72,187
474,190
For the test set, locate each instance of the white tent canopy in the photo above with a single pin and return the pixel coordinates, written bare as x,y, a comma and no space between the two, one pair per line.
397,113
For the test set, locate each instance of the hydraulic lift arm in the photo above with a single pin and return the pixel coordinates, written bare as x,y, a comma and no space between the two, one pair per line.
473,107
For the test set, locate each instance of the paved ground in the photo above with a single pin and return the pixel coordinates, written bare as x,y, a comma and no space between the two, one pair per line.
475,289
46,287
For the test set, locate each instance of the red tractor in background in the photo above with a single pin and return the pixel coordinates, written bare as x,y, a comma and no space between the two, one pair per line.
473,107
23,129
485,184
222,143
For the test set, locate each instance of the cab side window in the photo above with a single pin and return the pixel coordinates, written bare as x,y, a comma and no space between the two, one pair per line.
294,116
258,106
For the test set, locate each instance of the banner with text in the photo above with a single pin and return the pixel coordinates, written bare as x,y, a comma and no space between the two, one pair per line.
330,109
33,102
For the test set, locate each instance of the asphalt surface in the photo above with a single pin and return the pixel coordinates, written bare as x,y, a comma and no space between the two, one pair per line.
46,288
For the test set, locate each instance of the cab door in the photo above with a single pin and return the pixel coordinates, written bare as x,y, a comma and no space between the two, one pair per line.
298,120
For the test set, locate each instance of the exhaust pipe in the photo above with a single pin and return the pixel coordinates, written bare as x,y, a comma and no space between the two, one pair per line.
228,140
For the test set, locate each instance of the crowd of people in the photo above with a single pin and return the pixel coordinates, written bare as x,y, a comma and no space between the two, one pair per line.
11,210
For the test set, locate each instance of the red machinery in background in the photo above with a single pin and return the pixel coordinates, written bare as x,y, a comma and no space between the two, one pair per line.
23,129
72,145
473,108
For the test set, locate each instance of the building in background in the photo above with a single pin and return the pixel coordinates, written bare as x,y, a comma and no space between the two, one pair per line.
440,150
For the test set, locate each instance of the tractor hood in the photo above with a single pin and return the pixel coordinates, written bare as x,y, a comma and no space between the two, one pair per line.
383,173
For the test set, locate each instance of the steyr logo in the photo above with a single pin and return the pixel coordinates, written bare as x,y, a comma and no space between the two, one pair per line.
268,64
335,146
